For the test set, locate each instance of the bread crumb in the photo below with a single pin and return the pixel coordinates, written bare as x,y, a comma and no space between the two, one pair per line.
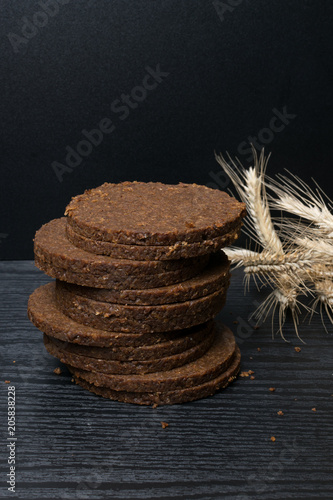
235,322
164,425
14,361
272,389
251,357
72,380
155,405
246,374
252,377
7,381
298,349
273,438
258,349
314,409
280,413
57,371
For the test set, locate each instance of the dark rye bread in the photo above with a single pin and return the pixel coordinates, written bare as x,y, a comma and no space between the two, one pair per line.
179,250
142,352
144,319
59,258
213,277
138,213
168,397
112,366
213,363
101,280
51,244
44,314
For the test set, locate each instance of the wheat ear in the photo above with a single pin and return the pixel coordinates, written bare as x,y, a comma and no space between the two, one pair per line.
295,197
251,189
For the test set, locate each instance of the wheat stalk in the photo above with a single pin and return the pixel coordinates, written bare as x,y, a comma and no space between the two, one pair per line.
295,197
321,247
295,263
251,189
295,260
324,289
283,297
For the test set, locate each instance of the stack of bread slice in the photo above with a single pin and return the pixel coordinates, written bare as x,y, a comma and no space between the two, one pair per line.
140,276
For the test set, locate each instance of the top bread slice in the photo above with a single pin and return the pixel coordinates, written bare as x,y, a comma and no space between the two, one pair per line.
138,213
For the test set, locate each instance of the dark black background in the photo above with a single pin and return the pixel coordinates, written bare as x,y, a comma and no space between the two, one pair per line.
227,73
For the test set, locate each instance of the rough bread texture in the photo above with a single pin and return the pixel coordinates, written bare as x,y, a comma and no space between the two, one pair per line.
144,319
213,363
179,250
51,244
168,397
187,340
140,275
90,278
153,213
212,278
44,314
111,366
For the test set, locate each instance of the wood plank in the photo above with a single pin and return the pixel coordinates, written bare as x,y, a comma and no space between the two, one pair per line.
73,444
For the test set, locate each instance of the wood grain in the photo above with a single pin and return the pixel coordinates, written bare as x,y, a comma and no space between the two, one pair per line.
72,444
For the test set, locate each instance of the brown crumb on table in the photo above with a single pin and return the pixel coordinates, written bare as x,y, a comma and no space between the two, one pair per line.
7,381
155,405
72,380
273,438
280,413
164,425
314,409
258,349
57,371
14,361
298,349
246,374
235,322
272,389
252,377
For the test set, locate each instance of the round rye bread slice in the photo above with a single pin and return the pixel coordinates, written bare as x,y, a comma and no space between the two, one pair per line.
213,277
59,350
178,250
216,360
138,213
44,314
59,258
168,397
144,319
139,353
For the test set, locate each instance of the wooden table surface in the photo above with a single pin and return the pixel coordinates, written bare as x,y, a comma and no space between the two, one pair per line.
73,444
